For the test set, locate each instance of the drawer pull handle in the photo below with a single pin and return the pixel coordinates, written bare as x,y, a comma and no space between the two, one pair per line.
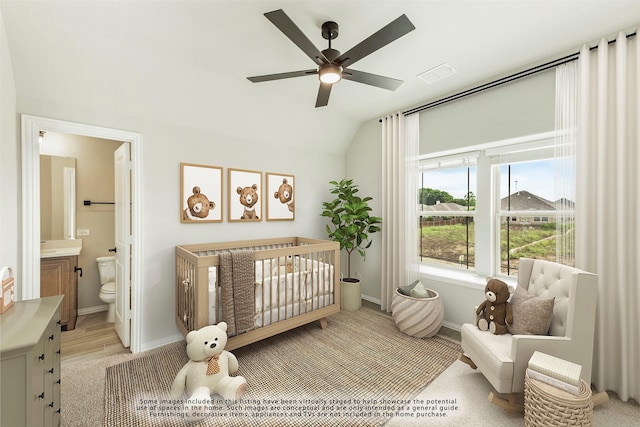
51,337
58,382
59,322
58,352
41,395
51,371
41,357
58,411
50,405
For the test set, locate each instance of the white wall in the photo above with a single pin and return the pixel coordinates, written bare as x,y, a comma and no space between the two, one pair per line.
9,161
363,160
164,147
519,108
312,171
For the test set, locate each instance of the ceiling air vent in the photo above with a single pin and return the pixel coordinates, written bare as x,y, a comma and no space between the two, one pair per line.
440,72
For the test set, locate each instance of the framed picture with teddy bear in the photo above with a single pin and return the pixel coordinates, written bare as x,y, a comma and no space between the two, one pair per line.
245,195
200,193
280,203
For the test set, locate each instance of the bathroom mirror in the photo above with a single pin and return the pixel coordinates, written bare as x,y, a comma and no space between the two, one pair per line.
57,197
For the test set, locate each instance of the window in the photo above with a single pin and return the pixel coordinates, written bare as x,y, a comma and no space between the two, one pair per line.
447,204
526,208
536,207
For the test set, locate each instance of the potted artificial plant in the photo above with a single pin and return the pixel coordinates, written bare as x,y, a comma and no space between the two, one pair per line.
351,225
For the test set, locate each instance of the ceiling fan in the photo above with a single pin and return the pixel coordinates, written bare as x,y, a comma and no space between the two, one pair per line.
333,66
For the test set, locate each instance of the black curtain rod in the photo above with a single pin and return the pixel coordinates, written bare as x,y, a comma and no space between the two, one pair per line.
492,84
89,203
503,80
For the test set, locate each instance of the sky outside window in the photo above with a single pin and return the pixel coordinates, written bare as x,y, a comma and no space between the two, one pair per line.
538,177
453,181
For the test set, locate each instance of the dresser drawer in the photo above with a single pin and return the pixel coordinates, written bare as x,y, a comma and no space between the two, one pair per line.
30,363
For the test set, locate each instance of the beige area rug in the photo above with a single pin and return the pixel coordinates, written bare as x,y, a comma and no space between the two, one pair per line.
469,390
360,371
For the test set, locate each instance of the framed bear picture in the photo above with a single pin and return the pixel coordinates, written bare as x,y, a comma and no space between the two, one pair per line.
280,200
200,193
245,195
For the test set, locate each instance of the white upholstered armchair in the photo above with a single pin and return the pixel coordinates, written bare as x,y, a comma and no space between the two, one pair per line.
503,359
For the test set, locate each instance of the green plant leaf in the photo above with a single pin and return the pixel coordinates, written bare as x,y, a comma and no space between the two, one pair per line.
350,218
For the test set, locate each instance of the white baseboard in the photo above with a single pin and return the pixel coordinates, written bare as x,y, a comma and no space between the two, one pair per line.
371,299
162,342
452,325
91,310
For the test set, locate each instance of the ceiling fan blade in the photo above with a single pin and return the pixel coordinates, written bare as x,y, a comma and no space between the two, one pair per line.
269,77
371,79
391,32
323,94
291,30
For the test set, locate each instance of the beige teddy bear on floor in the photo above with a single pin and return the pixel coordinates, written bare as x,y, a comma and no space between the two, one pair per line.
207,371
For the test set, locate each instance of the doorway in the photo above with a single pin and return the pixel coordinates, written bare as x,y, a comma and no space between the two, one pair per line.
32,127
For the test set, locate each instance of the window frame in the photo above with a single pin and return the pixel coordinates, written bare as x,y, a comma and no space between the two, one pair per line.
488,210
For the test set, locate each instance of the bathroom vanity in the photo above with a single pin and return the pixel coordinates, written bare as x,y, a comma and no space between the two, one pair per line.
59,276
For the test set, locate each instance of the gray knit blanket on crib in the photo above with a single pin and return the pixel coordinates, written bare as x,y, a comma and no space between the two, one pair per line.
237,290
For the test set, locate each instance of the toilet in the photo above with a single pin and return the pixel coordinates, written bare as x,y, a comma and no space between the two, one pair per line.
107,270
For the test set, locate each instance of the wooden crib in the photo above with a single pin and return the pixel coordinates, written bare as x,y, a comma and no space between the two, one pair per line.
297,281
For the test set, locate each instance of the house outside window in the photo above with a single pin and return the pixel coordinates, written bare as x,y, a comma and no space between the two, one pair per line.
525,207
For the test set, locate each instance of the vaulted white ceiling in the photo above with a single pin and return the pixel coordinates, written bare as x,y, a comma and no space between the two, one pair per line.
185,62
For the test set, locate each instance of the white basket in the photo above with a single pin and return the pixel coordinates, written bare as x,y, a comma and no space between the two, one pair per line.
418,317
547,406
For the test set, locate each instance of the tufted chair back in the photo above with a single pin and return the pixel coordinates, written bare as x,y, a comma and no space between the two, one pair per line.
547,279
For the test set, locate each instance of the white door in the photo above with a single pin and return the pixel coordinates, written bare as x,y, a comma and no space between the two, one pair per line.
123,242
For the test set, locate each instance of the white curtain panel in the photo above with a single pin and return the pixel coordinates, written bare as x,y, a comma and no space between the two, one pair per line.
565,160
608,205
400,147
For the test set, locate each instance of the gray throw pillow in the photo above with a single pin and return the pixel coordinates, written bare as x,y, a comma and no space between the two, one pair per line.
531,315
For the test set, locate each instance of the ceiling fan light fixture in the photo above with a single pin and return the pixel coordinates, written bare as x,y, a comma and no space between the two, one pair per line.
330,73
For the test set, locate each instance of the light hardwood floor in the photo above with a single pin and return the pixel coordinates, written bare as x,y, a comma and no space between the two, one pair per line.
92,339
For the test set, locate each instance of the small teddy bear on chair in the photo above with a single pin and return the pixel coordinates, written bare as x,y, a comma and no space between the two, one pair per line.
495,312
